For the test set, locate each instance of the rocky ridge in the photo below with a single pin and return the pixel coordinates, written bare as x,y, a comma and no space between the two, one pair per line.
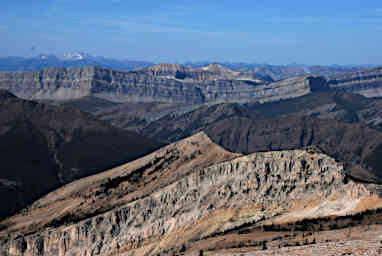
283,72
328,105
176,83
149,85
346,126
80,59
186,213
365,82
211,72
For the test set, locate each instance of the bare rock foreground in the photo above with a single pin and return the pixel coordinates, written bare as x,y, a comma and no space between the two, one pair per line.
195,198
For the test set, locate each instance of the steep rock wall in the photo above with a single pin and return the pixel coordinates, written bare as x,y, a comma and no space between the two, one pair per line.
176,83
49,83
216,199
145,86
367,82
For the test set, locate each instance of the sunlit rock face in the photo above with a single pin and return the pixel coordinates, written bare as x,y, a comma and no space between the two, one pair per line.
164,83
178,197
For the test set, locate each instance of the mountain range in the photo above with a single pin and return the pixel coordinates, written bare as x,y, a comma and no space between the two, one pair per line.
346,126
68,60
171,159
175,83
81,59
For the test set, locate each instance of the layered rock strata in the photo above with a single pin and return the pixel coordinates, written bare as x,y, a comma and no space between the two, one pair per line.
210,72
147,86
205,203
366,82
177,83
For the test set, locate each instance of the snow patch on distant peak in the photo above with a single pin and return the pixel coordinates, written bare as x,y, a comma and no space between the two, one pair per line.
75,56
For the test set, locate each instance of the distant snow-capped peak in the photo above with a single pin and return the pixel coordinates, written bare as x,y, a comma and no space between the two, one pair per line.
75,56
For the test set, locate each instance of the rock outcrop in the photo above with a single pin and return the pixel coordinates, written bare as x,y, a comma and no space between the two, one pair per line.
166,83
176,83
283,72
337,123
346,126
366,82
357,146
49,83
210,72
181,199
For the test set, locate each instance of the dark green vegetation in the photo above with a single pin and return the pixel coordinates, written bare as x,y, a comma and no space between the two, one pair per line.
368,217
43,147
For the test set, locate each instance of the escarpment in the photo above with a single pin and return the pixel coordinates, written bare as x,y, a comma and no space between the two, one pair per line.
158,84
210,72
179,84
366,82
49,83
198,193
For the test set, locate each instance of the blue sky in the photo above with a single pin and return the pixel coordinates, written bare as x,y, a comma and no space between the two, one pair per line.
276,32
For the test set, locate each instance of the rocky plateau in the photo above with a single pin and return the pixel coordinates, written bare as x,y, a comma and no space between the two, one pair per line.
162,83
365,82
173,83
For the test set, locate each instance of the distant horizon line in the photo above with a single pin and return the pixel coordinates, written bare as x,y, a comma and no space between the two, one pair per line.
196,62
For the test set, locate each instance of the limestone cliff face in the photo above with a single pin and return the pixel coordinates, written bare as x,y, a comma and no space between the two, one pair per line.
177,83
166,83
210,72
205,203
49,83
367,82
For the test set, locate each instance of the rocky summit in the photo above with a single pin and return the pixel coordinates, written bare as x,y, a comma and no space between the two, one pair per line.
195,198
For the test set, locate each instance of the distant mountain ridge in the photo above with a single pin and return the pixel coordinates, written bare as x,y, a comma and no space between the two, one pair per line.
81,59
173,83
212,71
279,72
145,85
68,60
353,121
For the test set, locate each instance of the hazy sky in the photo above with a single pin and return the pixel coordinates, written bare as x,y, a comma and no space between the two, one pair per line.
277,32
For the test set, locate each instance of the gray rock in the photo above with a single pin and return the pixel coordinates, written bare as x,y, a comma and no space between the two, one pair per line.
367,82
147,86
205,203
